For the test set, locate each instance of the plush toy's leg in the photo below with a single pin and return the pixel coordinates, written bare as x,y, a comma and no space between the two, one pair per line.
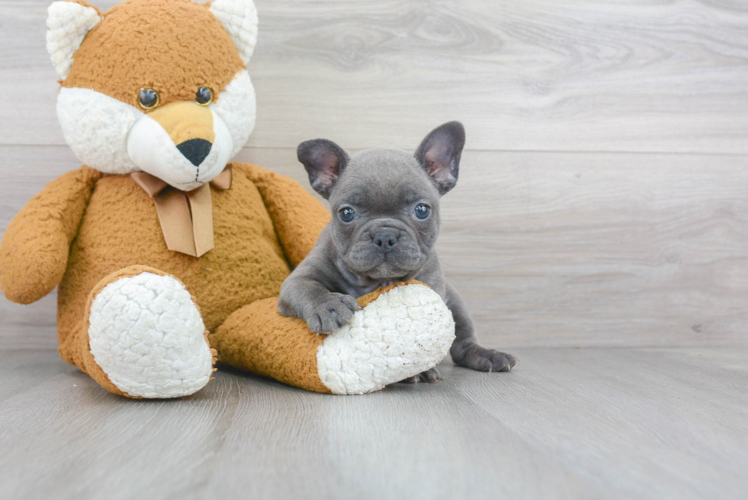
142,337
400,332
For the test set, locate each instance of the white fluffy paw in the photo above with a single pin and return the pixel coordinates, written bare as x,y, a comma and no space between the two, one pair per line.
148,337
402,333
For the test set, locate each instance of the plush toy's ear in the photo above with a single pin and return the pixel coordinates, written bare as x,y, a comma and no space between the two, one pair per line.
68,23
324,161
439,154
239,17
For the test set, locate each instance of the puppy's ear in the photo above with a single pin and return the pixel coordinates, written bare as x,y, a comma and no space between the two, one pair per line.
324,161
439,154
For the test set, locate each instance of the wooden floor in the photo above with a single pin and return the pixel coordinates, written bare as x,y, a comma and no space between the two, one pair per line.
567,423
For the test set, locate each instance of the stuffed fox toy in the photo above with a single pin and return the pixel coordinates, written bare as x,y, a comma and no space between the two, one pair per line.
166,254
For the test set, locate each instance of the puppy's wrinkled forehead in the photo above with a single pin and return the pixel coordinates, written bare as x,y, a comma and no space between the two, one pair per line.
383,180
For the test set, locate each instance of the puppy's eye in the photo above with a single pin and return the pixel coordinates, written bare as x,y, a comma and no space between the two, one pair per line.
148,98
422,211
347,214
204,96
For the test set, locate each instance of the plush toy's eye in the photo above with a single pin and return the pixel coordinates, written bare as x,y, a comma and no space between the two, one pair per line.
204,96
148,99
422,211
347,214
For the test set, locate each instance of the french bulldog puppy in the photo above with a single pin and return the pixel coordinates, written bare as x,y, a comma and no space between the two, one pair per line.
385,206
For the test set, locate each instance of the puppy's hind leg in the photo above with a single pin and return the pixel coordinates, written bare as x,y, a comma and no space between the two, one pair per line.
465,351
471,355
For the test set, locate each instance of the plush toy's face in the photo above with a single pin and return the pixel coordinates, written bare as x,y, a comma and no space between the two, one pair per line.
155,85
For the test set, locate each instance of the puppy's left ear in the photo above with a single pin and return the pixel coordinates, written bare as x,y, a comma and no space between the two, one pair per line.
324,161
439,154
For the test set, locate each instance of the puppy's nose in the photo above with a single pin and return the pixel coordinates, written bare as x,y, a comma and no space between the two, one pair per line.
195,150
385,240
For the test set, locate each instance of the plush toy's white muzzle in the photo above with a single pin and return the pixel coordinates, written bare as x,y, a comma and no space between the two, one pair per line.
117,138
186,153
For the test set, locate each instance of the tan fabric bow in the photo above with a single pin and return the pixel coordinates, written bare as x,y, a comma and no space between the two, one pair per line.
186,217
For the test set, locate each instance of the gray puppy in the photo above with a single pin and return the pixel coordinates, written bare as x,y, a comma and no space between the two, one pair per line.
385,205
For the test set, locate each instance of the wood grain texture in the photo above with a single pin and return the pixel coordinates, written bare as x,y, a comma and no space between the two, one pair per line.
548,249
582,424
601,249
585,75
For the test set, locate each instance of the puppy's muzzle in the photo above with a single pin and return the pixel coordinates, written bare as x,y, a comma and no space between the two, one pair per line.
386,240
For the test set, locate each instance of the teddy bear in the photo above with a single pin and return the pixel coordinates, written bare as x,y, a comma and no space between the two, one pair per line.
167,256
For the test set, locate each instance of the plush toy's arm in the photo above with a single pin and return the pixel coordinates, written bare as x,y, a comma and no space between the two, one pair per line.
297,216
34,250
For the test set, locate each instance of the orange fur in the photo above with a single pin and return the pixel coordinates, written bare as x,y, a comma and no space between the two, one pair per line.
274,346
190,49
248,263
277,347
35,247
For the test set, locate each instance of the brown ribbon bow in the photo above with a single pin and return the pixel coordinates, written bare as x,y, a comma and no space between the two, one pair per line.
186,217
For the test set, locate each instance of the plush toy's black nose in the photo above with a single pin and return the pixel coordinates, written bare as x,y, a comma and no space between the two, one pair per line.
385,240
195,150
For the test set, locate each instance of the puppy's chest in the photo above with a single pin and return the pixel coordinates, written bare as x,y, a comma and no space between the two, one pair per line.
358,286
361,287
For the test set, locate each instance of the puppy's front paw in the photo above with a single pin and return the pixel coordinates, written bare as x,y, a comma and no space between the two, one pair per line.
429,376
332,312
473,356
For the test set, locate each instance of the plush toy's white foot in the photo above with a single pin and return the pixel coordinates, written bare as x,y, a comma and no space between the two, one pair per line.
402,333
147,335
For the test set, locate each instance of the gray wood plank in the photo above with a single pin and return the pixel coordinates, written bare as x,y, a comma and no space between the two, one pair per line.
644,423
261,439
600,249
590,423
534,75
548,249
405,442
23,369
